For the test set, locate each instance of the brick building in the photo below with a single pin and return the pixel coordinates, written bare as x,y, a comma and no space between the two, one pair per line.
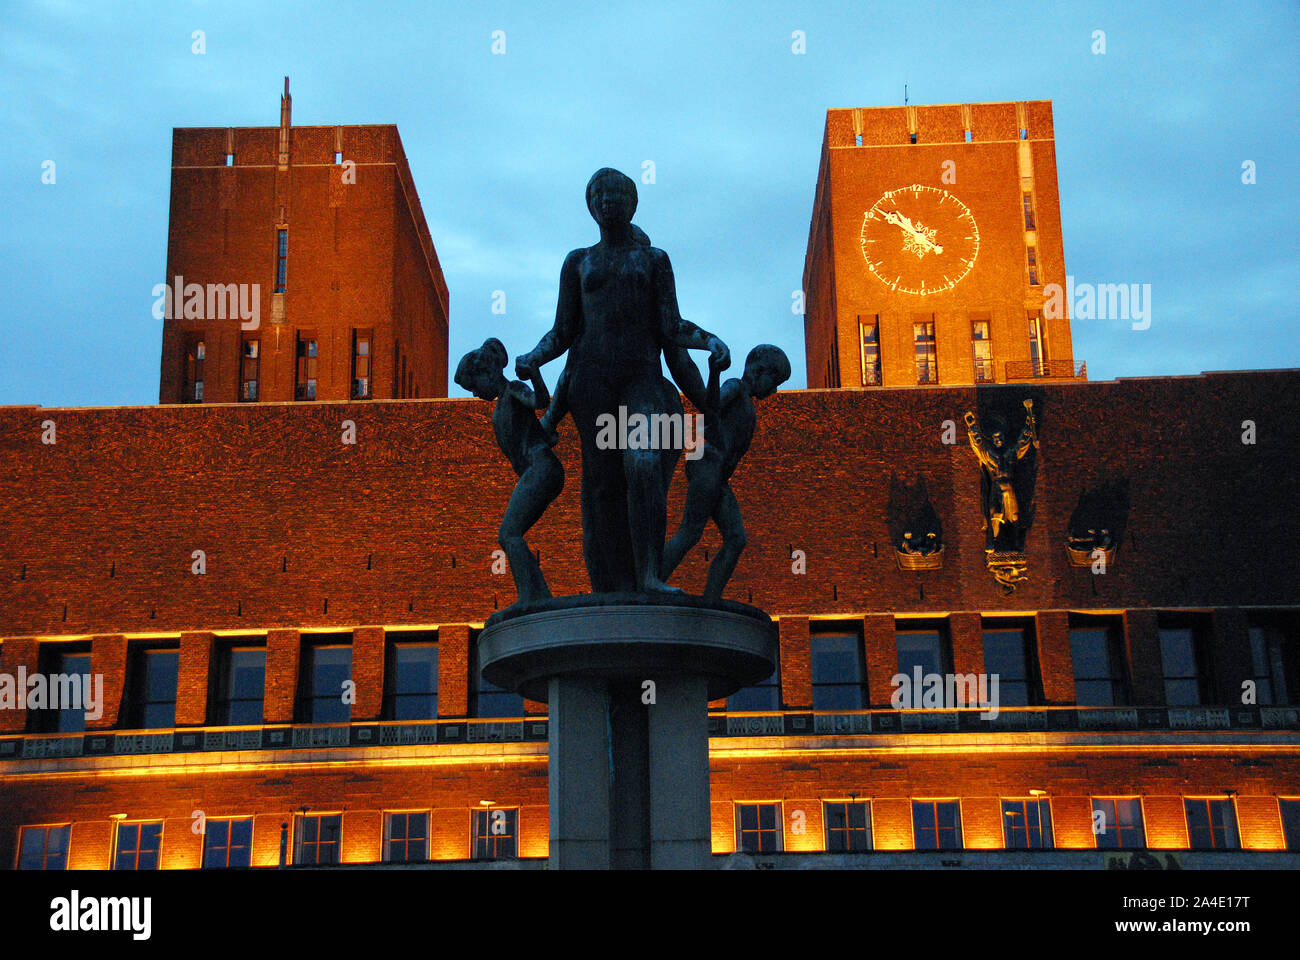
228,568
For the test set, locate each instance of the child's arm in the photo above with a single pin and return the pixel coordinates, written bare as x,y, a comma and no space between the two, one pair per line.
712,400
542,399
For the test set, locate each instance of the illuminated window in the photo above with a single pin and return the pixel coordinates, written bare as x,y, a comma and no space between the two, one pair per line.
848,826
1290,813
305,384
411,679
1211,824
67,660
1037,347
361,340
44,848
1181,659
927,367
195,354
496,834
230,159
241,686
765,696
936,824
487,699
981,348
1027,201
326,674
281,259
228,843
1009,655
1117,823
1268,649
249,363
1027,824
870,351
137,846
758,827
838,672
317,837
153,687
1033,266
406,837
1096,647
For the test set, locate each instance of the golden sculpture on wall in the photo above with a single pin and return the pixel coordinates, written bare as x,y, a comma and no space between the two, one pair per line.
1005,521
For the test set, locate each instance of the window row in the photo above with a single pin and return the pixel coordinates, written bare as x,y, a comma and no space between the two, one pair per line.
306,362
228,842
925,347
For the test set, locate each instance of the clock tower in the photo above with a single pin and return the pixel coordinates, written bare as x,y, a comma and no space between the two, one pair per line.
935,239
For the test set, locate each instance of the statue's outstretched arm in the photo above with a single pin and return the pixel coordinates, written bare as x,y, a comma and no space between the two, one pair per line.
673,329
1029,435
568,320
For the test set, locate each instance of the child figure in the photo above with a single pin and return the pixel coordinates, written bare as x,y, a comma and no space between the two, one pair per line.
541,476
729,421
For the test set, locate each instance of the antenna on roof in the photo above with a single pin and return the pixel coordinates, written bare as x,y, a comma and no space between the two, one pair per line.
286,90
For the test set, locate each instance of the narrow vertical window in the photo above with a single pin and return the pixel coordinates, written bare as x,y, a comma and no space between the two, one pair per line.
153,688
281,259
305,385
1033,266
1009,656
981,351
1097,651
195,354
73,662
242,686
1268,642
870,351
1027,201
249,364
327,671
1037,350
411,680
927,368
838,671
1182,660
361,340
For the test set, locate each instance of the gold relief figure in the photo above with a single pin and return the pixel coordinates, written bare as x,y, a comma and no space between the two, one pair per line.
999,460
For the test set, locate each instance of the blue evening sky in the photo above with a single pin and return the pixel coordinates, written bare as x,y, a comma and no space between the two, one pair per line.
1151,138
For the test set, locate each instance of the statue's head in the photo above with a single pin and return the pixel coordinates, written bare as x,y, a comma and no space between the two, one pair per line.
479,371
766,368
997,432
611,197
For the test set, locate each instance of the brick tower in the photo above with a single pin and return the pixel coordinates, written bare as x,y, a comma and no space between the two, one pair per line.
299,267
935,232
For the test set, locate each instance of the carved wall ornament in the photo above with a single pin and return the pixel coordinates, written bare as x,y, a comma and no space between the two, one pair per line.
1007,493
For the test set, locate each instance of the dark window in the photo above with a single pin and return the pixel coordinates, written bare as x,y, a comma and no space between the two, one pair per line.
153,687
1027,200
249,364
1211,824
758,827
870,351
44,848
936,824
406,837
838,673
1268,651
489,700
411,677
1096,646
1027,824
241,686
305,384
765,696
1117,823
925,647
228,843
195,356
1009,655
496,834
913,138
1033,266
1290,812
848,826
318,838
70,661
137,846
326,676
361,341
927,366
981,348
1181,659
281,259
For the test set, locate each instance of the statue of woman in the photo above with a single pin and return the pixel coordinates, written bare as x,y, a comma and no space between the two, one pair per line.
616,316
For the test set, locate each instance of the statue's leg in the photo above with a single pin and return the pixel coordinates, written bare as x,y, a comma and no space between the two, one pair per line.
540,484
727,517
647,496
703,489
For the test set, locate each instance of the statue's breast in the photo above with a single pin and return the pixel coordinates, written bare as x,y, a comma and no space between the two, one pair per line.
629,270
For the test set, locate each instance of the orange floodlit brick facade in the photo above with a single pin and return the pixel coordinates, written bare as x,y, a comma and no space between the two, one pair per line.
166,548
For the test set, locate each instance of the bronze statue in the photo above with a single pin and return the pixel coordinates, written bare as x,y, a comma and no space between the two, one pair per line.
729,422
541,476
616,316
1001,507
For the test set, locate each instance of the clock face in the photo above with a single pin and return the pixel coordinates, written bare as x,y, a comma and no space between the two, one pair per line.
919,240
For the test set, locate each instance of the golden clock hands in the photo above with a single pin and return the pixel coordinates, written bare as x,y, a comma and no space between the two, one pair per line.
917,237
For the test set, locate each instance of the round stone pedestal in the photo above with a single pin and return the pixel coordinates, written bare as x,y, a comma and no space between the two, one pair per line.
628,686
